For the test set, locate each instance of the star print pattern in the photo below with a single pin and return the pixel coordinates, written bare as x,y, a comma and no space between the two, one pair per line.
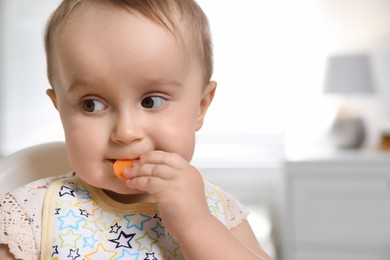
101,253
159,230
137,222
150,256
73,254
55,251
85,229
84,213
89,241
69,239
123,240
70,221
146,242
128,256
215,204
115,228
66,191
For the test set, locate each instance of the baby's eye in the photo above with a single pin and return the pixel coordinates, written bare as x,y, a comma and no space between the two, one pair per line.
153,102
93,105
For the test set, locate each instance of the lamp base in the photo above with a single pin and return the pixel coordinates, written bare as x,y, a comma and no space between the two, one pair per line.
348,132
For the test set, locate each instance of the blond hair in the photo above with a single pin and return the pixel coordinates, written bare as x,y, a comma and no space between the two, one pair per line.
167,13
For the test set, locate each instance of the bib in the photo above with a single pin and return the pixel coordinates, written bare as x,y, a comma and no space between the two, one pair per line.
82,222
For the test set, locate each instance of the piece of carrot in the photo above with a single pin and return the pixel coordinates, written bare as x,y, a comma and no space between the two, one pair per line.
119,167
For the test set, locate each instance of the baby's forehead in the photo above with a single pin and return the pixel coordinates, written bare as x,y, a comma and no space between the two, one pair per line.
174,21
108,39
183,19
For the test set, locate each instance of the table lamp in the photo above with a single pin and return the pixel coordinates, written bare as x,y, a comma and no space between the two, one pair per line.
348,75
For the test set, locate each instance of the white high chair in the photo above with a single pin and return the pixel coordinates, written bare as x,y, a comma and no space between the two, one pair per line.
31,164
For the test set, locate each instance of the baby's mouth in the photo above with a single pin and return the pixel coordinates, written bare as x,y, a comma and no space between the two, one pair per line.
112,161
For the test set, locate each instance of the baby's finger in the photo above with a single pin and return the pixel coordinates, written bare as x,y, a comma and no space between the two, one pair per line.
157,170
150,170
161,157
150,185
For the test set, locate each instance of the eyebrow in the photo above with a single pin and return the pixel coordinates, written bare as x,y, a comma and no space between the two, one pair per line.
147,82
77,83
161,82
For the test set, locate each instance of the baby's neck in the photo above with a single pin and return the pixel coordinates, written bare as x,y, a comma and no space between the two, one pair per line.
130,198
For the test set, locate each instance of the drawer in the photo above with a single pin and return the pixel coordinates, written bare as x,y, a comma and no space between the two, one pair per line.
341,211
312,255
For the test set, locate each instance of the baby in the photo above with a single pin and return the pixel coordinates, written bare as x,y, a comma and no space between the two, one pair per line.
131,81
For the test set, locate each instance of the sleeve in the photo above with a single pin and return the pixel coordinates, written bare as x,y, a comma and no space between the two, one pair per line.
235,212
16,230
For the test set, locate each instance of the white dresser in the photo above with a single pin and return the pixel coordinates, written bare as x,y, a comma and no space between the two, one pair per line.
338,207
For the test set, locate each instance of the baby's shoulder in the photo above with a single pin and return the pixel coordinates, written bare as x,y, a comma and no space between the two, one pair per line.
224,206
20,217
36,188
31,195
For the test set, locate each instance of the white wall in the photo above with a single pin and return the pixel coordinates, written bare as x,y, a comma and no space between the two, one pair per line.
339,27
27,117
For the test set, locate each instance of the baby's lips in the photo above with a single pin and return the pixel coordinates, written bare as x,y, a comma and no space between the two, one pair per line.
120,165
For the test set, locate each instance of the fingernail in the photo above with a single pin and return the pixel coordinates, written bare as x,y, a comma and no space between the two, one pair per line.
127,172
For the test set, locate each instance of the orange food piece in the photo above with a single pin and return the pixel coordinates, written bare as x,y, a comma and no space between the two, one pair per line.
119,167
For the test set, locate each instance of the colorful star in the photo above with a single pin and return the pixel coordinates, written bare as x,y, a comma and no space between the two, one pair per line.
137,220
215,210
106,218
159,230
90,241
101,253
64,204
172,246
83,194
125,255
70,221
91,226
146,242
214,204
69,239
123,240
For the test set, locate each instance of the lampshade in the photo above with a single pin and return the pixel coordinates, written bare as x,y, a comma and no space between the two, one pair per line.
349,75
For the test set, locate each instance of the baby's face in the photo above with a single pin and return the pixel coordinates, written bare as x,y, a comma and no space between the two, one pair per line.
123,87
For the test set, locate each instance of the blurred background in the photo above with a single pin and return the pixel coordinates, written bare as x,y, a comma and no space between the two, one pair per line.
299,130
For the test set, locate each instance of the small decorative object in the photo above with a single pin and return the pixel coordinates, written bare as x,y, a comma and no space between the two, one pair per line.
385,133
385,141
348,75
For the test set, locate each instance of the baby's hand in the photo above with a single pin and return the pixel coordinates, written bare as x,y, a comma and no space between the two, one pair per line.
176,186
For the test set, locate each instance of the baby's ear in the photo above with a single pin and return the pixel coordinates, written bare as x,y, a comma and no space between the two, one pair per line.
207,98
52,95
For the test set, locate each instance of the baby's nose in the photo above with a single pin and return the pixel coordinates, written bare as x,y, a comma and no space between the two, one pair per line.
126,130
